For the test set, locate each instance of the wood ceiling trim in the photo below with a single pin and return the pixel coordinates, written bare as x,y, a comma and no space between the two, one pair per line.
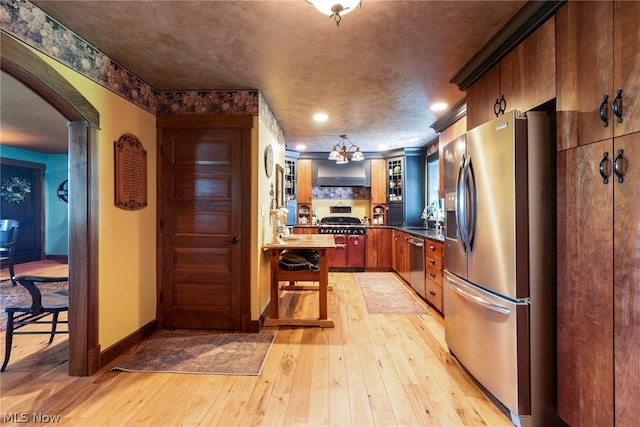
34,72
456,112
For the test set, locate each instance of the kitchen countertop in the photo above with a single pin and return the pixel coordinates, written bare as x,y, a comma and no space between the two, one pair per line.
438,236
429,234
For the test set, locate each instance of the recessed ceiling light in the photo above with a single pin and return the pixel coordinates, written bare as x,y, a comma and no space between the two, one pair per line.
438,106
301,147
320,117
383,147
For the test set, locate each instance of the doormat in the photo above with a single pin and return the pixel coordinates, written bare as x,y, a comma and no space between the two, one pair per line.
10,295
189,352
384,294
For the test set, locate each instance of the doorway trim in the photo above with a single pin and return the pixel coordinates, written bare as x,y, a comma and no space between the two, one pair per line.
84,124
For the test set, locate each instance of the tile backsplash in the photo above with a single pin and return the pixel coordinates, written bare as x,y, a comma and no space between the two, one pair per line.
341,193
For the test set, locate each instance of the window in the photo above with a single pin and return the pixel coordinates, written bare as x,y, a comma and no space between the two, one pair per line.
432,181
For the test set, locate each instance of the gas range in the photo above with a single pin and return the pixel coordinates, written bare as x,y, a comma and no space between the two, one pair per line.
350,237
341,225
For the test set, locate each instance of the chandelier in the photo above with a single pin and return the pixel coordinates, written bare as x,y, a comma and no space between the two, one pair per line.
335,9
341,152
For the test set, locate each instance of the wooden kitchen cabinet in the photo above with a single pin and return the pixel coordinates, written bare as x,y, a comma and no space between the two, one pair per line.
378,244
598,284
395,250
598,221
304,191
304,181
305,230
378,181
433,270
522,80
597,46
481,97
378,212
400,254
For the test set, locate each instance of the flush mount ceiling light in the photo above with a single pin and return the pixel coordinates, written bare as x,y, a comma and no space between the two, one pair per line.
438,106
320,117
341,152
335,9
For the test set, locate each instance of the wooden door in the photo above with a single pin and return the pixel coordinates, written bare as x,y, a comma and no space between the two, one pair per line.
28,211
626,66
627,282
584,37
585,287
201,227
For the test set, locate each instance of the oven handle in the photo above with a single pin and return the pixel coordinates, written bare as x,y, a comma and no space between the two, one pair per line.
478,300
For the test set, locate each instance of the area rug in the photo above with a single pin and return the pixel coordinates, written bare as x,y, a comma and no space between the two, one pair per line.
10,294
384,294
189,352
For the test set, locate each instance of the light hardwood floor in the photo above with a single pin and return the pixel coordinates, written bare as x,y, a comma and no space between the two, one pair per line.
371,369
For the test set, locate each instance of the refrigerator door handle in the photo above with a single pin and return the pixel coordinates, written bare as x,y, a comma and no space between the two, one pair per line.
473,205
478,300
461,215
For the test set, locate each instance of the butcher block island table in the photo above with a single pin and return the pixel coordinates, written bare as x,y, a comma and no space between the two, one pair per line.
316,242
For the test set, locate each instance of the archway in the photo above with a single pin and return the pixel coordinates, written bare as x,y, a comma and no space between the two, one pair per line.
84,122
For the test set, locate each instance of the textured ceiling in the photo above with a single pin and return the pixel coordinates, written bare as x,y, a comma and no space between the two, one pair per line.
375,75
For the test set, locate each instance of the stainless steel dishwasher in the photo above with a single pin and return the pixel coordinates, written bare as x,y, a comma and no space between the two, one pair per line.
416,264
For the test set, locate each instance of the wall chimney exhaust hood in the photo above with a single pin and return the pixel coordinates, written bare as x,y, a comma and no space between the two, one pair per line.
326,173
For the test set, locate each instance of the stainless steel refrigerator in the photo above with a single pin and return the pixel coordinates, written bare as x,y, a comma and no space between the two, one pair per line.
499,261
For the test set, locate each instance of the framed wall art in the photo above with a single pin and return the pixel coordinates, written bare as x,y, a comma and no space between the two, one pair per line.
130,173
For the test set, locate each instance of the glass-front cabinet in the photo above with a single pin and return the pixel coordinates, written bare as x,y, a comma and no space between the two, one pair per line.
405,187
395,190
290,179
291,186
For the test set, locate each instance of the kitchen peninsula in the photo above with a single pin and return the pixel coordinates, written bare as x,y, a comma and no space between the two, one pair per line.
318,242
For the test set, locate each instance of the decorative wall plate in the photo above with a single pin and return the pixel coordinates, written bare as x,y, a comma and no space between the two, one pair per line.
268,160
63,191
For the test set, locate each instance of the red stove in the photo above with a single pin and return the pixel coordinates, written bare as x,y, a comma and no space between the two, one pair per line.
349,235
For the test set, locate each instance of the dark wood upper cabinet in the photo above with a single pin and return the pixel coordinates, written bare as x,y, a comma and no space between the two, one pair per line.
585,72
481,97
626,65
522,80
597,47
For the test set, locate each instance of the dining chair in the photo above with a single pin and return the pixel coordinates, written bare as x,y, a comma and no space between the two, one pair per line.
33,311
8,236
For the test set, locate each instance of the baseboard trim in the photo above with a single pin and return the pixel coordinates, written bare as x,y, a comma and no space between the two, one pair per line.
64,259
126,343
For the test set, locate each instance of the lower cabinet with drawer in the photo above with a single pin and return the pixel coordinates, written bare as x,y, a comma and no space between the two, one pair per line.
433,272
